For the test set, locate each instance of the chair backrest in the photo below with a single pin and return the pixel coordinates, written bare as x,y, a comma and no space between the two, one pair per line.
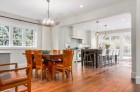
110,52
29,58
104,52
67,57
117,52
38,58
114,52
56,51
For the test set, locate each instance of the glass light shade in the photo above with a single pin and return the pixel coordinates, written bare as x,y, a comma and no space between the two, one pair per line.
97,33
48,22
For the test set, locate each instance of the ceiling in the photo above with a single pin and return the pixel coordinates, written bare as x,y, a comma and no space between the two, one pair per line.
122,21
60,9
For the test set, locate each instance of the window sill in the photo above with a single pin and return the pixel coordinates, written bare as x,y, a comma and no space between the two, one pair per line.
17,47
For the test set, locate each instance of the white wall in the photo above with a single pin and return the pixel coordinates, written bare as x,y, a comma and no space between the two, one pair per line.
46,38
138,43
93,40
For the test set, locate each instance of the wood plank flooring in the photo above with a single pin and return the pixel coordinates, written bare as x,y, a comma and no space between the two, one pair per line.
115,78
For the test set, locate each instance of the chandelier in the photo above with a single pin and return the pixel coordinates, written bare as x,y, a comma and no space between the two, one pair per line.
48,21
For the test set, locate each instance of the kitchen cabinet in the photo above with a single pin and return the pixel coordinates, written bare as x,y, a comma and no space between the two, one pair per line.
76,33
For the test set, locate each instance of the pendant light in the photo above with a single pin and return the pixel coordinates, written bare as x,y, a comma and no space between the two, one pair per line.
105,35
49,22
97,33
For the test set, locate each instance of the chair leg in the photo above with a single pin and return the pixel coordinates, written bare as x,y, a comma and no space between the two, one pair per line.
41,74
36,72
29,86
16,89
71,74
53,70
48,75
63,74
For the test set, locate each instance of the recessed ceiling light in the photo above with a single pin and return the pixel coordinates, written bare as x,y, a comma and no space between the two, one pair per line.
81,6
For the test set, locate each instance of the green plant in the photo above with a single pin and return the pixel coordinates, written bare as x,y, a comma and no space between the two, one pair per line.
107,46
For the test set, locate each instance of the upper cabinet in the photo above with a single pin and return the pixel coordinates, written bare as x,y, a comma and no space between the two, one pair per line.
76,33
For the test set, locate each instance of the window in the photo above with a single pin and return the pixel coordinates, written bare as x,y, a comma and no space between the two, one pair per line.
121,41
15,36
29,37
115,42
127,46
4,35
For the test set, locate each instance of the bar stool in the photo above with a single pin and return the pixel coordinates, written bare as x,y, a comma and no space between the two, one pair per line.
110,53
113,56
88,59
117,56
102,58
93,58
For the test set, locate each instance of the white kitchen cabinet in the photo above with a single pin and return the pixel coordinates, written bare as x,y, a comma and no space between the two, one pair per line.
76,33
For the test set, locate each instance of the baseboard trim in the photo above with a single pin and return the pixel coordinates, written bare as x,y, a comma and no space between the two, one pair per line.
133,75
137,79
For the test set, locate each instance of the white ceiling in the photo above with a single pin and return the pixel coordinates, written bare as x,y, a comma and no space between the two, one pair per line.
122,21
60,9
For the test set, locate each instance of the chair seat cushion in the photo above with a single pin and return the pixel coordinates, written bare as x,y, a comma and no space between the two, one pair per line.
12,77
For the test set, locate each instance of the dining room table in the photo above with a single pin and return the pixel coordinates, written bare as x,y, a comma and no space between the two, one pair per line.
51,59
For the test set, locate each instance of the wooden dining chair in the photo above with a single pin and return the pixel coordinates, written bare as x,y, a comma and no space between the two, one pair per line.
40,65
30,59
56,51
66,66
57,60
13,78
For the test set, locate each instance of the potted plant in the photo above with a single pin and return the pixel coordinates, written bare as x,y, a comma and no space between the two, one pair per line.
107,46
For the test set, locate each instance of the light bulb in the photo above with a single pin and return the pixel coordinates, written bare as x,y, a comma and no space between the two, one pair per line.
48,21
44,21
97,33
52,22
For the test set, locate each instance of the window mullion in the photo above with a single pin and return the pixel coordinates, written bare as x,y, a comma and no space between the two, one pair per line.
10,36
24,37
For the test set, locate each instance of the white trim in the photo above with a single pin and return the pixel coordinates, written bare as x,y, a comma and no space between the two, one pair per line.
137,79
17,47
5,52
133,75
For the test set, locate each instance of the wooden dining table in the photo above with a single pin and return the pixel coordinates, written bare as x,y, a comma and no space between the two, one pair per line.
51,59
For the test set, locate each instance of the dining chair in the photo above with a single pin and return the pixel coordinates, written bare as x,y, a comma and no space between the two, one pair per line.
56,51
40,65
13,78
30,59
66,66
57,60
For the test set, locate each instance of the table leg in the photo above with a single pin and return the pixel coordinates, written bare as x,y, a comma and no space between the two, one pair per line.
97,59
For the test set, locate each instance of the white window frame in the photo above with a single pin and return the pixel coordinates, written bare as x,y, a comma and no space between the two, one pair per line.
11,46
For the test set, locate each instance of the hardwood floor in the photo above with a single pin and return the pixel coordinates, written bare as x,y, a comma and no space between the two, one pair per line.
111,79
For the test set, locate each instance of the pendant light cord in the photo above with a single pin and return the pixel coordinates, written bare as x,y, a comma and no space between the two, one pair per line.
48,8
